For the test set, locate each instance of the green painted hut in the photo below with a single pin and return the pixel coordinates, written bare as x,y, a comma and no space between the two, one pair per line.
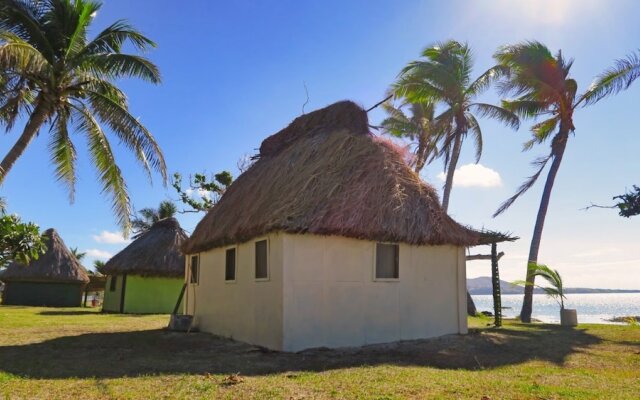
147,276
55,279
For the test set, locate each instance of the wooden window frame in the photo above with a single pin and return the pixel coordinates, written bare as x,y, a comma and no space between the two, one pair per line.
197,278
375,256
255,259
113,283
235,266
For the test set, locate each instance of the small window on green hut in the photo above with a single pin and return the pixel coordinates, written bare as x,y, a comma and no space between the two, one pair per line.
262,267
195,269
113,282
387,261
230,265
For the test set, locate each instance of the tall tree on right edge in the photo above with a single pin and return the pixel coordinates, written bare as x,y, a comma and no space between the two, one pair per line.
542,87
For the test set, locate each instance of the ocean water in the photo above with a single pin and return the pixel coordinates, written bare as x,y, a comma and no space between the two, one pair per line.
592,307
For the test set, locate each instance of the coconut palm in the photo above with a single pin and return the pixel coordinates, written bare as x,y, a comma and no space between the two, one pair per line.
77,253
419,127
543,87
98,265
56,77
552,276
443,77
149,216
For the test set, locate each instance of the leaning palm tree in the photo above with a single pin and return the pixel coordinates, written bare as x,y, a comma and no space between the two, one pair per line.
419,127
149,216
542,87
443,77
55,76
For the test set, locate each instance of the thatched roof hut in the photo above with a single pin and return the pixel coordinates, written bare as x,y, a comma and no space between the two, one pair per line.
326,174
155,253
57,264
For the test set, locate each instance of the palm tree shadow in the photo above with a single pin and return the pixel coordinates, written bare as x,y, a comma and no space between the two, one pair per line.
130,354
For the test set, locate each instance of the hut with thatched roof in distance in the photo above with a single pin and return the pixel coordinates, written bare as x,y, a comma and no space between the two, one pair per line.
328,239
147,276
55,279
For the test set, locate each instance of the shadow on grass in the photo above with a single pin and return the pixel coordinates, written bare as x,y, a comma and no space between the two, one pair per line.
120,354
70,312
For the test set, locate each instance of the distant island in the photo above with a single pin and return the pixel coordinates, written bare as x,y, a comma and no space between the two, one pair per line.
482,285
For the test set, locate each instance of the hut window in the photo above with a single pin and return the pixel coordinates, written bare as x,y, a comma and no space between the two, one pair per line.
262,267
387,261
230,265
195,270
112,283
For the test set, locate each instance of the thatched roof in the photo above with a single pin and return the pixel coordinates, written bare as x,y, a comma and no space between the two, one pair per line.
155,253
57,264
326,174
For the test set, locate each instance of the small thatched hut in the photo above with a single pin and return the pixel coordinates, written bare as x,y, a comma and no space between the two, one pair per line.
329,239
55,279
146,277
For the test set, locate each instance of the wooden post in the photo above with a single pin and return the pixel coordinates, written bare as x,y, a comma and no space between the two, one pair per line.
495,281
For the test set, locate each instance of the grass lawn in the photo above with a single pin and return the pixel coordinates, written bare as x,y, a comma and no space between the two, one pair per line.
53,353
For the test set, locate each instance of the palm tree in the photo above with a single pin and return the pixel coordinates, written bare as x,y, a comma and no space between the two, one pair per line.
444,78
98,265
552,276
419,127
53,75
3,206
542,87
149,216
77,253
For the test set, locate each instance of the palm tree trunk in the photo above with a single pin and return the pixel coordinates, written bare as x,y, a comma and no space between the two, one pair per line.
36,120
451,169
558,146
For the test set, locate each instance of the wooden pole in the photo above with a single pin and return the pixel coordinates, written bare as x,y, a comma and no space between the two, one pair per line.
495,281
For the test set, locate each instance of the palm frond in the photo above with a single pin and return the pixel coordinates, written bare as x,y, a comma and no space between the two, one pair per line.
542,130
474,128
114,36
615,79
63,152
23,19
18,55
501,114
540,163
114,66
488,78
525,108
130,131
109,173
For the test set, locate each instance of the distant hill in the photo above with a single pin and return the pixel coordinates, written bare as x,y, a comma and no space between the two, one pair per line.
482,285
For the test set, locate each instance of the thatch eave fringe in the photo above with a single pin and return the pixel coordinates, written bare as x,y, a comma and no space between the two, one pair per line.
154,254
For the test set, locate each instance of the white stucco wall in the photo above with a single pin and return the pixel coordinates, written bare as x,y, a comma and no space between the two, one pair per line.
245,310
321,292
331,299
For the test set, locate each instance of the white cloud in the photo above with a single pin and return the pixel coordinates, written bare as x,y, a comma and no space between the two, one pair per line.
110,238
474,175
98,254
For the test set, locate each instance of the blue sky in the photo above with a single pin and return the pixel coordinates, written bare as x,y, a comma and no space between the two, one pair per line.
234,73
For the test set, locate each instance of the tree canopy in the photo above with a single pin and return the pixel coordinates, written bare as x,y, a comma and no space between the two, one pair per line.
53,75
